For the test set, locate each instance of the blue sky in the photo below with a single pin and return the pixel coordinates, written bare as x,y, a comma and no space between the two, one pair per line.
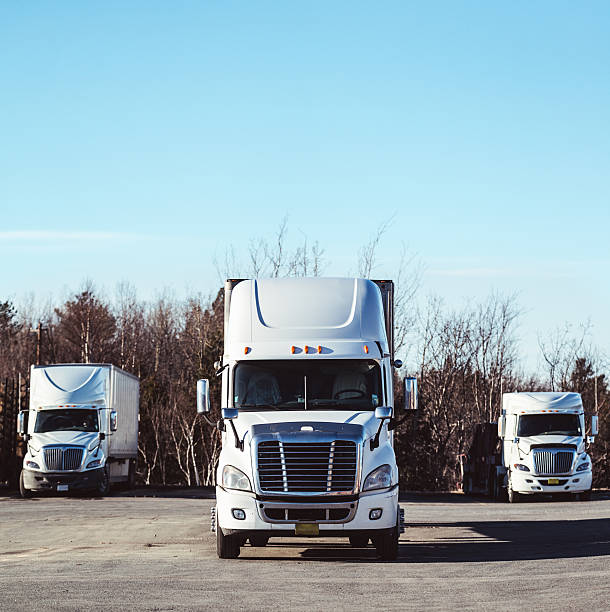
142,138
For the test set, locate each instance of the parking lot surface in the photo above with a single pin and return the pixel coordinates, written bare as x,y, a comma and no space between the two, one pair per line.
153,550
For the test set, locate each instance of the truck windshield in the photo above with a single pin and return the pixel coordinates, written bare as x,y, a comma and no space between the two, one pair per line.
66,419
347,384
548,424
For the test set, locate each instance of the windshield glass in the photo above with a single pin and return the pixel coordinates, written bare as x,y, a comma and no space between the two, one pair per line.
548,424
66,419
307,385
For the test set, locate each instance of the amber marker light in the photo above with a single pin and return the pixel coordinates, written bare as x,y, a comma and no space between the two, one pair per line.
306,349
319,349
366,348
292,349
246,350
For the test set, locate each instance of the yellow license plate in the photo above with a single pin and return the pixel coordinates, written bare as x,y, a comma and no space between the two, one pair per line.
307,529
553,481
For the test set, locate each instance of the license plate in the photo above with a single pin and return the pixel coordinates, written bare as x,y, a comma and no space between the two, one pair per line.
307,529
62,487
553,481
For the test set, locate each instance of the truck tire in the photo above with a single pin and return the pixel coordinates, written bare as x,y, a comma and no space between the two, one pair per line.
386,545
227,546
258,540
103,488
25,493
585,496
513,496
131,475
358,540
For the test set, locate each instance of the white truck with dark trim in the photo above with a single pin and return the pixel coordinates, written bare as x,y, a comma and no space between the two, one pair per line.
544,444
308,412
81,430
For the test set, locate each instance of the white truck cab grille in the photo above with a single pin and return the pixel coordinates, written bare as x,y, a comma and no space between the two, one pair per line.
60,459
307,467
553,461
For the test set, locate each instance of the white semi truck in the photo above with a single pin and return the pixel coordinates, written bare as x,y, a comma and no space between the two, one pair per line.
544,444
539,445
81,430
308,412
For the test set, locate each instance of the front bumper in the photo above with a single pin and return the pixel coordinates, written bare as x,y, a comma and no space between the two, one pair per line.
257,515
48,481
528,483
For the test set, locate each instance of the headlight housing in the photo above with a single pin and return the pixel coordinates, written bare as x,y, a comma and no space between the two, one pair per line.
94,463
521,467
379,478
232,478
33,465
582,467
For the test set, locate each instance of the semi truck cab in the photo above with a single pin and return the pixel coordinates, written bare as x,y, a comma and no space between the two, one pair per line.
308,409
544,444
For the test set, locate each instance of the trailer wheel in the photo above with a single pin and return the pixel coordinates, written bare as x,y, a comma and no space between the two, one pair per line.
25,493
227,546
131,477
358,540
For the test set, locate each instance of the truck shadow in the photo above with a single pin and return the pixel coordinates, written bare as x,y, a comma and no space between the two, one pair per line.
485,542
510,541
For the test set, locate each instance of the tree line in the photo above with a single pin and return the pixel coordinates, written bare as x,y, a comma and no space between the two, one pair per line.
464,360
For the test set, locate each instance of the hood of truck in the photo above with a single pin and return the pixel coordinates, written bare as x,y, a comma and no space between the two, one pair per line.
365,419
525,444
63,438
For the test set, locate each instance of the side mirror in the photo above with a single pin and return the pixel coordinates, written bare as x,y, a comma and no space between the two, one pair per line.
410,393
501,426
21,423
594,430
102,436
383,412
113,420
203,396
229,413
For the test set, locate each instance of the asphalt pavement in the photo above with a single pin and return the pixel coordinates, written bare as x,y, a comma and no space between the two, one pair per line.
152,550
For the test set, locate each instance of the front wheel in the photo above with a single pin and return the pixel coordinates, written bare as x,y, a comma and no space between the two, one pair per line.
585,496
103,488
513,496
227,546
386,545
25,493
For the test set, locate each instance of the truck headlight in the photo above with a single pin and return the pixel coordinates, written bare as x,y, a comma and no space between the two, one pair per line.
95,463
582,467
379,478
521,467
232,478
35,466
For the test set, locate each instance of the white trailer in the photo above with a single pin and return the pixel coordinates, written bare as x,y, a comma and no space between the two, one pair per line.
544,445
81,429
308,412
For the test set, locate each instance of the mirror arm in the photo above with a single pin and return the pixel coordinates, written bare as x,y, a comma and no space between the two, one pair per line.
205,418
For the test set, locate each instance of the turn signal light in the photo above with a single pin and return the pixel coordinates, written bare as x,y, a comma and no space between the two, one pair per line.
366,348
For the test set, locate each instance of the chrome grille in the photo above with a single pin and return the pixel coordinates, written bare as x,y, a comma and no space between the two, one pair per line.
307,467
553,461
62,459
